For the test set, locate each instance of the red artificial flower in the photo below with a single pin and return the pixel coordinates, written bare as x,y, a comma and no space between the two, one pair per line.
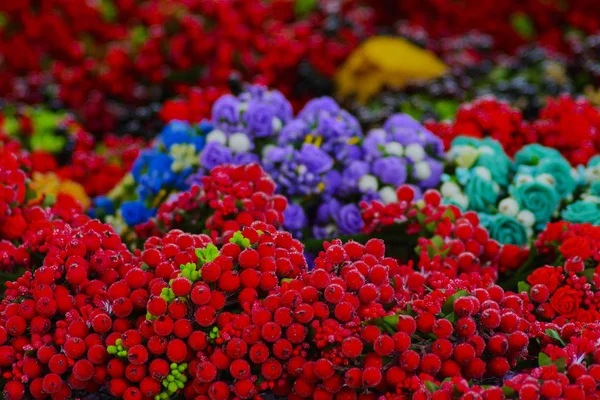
566,301
576,246
13,227
546,276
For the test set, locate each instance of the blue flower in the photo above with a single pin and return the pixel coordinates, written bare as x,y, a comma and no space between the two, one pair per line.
225,113
581,212
481,193
506,230
175,132
259,120
390,170
135,212
294,218
215,154
560,170
539,198
102,206
348,219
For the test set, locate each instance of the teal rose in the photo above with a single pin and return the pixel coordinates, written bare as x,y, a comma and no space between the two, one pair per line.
581,212
466,141
532,154
560,170
495,145
595,189
498,164
539,198
594,161
506,230
481,193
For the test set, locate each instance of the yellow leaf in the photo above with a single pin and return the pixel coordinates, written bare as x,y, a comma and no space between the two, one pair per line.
385,61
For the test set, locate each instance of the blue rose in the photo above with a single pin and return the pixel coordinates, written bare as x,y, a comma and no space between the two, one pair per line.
498,164
539,198
349,219
532,154
390,170
102,206
506,230
215,154
135,212
175,132
481,193
259,119
560,170
581,212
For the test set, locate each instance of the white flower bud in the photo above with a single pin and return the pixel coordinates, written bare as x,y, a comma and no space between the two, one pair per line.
239,142
378,133
216,136
592,174
509,207
449,189
483,173
422,170
462,200
485,150
277,124
388,195
394,149
415,152
546,178
267,149
368,183
526,217
521,179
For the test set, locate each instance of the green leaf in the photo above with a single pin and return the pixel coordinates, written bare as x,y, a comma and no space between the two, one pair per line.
432,387
449,304
554,335
523,25
589,274
451,317
304,7
240,240
544,360
207,254
560,364
108,10
523,287
508,391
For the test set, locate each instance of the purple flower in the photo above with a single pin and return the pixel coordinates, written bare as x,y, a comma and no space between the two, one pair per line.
352,174
294,218
294,131
437,168
372,143
402,121
215,154
280,105
325,211
349,220
259,119
390,170
225,112
332,181
245,159
316,160
316,106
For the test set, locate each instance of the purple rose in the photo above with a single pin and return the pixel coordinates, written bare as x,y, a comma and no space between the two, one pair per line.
225,112
352,174
390,170
259,119
349,220
245,159
215,154
332,181
325,211
294,218
277,154
316,160
372,143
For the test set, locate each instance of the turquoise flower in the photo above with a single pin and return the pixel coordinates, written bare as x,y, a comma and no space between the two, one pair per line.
466,141
560,170
595,189
532,154
539,198
581,212
506,230
481,193
498,164
594,161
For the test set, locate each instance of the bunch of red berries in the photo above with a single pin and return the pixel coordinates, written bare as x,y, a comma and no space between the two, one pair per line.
445,238
230,198
487,117
54,320
562,241
570,125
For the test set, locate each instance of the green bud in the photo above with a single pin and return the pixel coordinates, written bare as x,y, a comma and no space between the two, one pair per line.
172,387
170,378
118,342
173,366
182,367
179,384
111,350
123,353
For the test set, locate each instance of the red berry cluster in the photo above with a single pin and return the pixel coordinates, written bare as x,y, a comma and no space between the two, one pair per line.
446,239
561,241
571,125
230,198
487,117
53,321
